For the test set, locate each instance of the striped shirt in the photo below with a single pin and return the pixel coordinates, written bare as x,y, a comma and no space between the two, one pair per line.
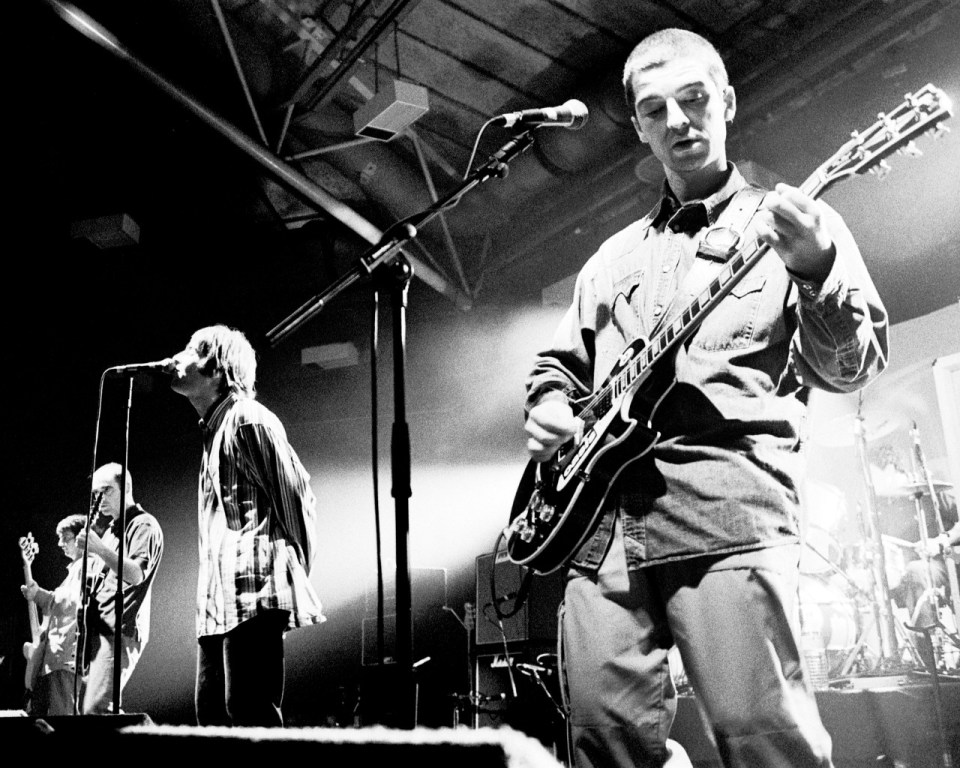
257,521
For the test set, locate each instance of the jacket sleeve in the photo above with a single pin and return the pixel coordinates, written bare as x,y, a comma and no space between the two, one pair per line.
565,370
841,340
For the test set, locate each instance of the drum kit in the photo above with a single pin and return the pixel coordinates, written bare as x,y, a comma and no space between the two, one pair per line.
873,599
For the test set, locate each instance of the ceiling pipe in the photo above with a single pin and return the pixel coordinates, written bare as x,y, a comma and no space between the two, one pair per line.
291,179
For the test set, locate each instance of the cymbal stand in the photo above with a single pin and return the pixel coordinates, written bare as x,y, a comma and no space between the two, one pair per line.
889,649
930,592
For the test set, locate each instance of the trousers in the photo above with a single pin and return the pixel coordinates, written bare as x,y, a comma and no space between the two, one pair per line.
733,621
98,695
240,673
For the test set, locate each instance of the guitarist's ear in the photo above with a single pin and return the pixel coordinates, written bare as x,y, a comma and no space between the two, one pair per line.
730,104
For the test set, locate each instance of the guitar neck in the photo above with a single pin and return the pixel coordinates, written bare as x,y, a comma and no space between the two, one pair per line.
32,614
747,257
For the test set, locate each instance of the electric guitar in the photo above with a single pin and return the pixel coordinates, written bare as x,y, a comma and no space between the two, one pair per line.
35,649
558,503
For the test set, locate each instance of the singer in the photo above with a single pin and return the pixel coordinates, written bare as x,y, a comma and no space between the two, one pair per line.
258,531
143,550
696,543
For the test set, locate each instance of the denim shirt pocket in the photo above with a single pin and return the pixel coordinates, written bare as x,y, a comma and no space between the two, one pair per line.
627,305
732,322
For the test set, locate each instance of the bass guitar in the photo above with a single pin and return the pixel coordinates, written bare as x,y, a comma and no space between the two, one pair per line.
558,503
35,649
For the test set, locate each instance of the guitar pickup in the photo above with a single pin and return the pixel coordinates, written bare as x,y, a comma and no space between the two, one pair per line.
588,440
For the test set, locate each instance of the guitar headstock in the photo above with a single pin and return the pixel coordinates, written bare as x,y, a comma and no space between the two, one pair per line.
28,548
920,112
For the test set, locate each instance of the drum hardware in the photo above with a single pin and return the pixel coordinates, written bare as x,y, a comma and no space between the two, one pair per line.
918,489
870,523
844,431
930,487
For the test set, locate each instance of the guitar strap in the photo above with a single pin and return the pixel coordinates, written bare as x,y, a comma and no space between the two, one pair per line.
718,244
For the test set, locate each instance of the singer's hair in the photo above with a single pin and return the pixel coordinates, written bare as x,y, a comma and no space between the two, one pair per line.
111,471
226,350
657,49
72,523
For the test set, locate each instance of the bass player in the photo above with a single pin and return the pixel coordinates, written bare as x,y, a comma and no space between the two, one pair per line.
54,690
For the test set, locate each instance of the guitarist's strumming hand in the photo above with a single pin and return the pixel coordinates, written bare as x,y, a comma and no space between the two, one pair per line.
95,545
795,226
550,424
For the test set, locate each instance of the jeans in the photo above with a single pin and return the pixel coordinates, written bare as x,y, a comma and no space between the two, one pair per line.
98,696
733,624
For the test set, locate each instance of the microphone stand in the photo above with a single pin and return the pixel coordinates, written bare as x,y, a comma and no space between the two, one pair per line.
386,262
118,603
85,591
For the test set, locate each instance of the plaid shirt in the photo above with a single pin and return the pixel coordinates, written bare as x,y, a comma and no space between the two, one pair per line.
257,521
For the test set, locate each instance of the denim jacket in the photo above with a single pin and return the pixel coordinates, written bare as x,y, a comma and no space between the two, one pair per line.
724,474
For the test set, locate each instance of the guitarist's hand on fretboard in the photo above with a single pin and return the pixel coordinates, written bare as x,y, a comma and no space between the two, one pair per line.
549,425
795,226
30,590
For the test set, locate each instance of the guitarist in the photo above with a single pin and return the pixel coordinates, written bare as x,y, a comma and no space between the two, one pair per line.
697,542
143,549
53,692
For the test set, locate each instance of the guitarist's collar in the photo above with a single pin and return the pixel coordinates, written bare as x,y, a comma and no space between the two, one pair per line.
695,215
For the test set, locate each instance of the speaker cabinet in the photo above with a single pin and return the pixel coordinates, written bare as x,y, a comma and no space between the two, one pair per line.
521,691
535,621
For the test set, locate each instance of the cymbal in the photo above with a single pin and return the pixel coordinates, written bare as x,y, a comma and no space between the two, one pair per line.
842,431
916,489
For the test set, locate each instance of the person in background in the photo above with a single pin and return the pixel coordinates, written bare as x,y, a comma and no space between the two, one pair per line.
142,552
55,691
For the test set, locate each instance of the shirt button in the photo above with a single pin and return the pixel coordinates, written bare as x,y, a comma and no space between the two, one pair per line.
657,310
666,268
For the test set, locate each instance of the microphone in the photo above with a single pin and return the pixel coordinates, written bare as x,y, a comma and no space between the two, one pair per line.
160,366
571,114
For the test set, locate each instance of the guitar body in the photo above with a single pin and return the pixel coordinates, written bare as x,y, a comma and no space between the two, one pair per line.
34,653
558,503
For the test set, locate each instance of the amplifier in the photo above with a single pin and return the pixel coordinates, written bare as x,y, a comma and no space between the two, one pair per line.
536,620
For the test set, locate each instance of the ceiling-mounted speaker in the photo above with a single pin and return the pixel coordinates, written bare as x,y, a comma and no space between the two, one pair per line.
392,110
113,231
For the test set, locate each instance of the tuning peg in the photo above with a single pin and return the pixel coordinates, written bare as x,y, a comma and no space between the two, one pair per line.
910,149
880,170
